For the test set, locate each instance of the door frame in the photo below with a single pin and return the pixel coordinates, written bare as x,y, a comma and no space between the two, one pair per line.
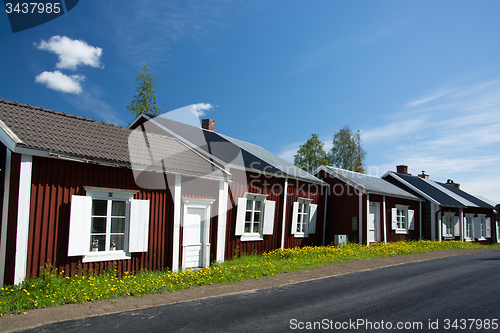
205,248
378,234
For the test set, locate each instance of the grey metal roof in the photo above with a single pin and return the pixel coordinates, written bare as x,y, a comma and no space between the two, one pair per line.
434,192
476,200
67,135
233,151
370,184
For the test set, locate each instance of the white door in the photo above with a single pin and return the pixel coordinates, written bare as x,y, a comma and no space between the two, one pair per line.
374,223
192,238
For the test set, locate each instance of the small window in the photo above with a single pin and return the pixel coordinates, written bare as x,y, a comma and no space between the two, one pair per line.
304,217
402,219
254,217
107,224
449,225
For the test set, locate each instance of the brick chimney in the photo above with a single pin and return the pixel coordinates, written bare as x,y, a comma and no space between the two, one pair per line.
402,169
449,181
208,124
423,175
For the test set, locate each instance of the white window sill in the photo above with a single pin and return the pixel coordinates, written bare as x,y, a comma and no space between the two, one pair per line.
251,237
468,239
301,235
448,236
106,256
481,239
402,231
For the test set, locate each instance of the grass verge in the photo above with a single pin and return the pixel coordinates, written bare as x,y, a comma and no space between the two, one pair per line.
54,289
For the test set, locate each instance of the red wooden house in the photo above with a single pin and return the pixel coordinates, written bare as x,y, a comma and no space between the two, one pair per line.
368,209
83,195
271,203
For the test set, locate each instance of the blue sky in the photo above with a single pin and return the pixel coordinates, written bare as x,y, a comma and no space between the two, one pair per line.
419,79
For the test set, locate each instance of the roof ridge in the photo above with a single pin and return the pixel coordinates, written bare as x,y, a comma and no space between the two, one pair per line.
39,108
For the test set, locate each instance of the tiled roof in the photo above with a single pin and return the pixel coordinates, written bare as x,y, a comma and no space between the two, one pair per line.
69,135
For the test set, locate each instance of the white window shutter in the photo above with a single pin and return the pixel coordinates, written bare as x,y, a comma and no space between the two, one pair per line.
456,226
240,216
394,217
79,225
488,227
443,225
267,228
313,208
411,219
294,217
139,226
476,227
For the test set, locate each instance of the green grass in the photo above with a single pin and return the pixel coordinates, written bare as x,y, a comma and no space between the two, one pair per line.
55,289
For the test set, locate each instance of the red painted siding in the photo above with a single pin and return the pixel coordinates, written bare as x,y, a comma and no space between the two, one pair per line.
54,182
274,187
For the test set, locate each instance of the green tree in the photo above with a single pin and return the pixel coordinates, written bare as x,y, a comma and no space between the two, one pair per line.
347,152
145,98
311,154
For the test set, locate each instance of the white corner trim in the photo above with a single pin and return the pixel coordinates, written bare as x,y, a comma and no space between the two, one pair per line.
177,223
360,219
5,214
23,219
324,217
283,223
221,221
384,219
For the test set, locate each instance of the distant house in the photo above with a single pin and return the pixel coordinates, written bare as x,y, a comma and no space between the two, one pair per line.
81,195
368,209
447,212
272,203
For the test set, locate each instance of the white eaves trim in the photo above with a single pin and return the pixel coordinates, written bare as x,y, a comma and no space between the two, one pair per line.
8,138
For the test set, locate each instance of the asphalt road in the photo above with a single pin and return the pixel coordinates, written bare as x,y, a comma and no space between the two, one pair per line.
424,296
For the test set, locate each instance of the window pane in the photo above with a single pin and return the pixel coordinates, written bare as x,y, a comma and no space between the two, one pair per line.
256,217
256,227
249,204
117,225
99,241
98,225
247,227
300,208
118,208
258,205
99,207
119,242
248,216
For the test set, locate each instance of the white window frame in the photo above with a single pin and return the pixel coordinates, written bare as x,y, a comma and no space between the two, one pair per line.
309,212
448,224
136,225
469,227
397,214
266,221
484,228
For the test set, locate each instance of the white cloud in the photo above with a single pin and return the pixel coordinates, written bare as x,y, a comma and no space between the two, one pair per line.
61,82
200,108
72,52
